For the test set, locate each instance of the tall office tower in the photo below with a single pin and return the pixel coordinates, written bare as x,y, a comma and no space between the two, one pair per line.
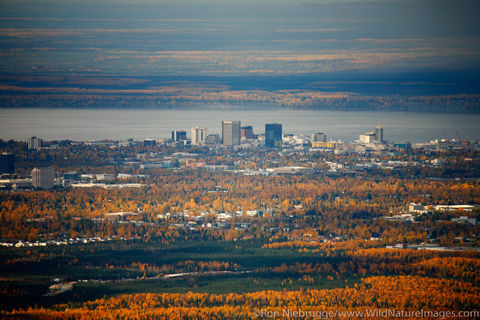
43,178
34,143
199,135
7,163
231,133
319,137
273,135
179,135
247,132
379,134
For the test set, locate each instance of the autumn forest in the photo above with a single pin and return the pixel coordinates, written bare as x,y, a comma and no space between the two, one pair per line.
201,237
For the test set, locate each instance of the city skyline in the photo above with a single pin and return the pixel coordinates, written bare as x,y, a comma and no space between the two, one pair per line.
227,159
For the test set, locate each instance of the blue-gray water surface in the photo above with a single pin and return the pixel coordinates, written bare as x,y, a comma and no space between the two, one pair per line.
121,124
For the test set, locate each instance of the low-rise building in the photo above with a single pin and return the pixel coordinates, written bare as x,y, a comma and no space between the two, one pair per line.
455,207
322,144
465,219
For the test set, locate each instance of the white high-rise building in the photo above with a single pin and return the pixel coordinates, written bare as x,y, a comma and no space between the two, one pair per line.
43,178
34,143
199,135
368,137
372,136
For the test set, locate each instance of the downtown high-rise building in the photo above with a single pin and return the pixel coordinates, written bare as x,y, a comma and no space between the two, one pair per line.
212,138
199,135
179,135
273,135
149,142
372,136
231,133
34,143
379,134
43,178
247,132
7,163
319,137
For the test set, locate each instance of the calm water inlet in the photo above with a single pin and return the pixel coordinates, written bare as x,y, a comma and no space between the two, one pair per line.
119,124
